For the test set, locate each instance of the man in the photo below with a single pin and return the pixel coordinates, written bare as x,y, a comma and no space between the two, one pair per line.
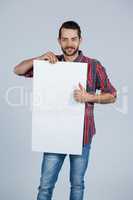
70,39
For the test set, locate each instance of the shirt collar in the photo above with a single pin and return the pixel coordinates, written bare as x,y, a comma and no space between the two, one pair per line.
77,59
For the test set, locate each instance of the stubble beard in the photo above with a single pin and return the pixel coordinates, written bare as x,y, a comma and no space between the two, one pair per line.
70,54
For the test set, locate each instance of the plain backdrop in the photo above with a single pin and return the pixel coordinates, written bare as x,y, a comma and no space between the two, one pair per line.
30,28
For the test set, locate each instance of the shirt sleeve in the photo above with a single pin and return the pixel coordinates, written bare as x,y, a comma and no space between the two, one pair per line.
102,80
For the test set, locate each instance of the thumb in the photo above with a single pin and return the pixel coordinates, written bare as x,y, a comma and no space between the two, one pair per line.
81,87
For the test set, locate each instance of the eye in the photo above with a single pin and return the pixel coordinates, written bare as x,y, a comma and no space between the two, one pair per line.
74,39
64,39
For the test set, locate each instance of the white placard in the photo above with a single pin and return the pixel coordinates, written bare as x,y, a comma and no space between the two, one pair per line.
57,119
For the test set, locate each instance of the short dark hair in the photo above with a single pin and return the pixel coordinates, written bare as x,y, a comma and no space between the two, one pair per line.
70,25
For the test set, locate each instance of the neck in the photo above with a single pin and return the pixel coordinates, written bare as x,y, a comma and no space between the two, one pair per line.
71,58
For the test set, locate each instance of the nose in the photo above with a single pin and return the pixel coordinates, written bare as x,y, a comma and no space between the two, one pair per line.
69,43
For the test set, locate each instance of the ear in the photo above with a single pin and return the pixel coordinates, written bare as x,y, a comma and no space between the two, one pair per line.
81,40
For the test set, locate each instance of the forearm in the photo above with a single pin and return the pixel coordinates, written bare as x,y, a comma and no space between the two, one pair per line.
24,66
102,98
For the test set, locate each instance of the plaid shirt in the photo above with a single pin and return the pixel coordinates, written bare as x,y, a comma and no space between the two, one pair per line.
97,78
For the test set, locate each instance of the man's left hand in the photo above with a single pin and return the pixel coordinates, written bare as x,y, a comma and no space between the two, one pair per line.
81,95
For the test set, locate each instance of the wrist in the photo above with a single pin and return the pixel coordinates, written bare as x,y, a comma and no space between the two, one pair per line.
91,98
39,58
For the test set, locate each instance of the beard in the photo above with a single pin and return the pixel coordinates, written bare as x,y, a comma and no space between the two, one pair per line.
70,51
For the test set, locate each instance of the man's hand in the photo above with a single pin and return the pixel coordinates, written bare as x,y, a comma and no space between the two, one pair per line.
51,57
26,65
81,95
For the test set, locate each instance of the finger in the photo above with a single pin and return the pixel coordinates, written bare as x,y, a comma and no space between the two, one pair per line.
77,99
47,57
51,60
81,87
81,100
77,91
77,94
53,57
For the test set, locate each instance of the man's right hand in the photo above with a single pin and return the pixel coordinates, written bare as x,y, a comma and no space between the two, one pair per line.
26,65
51,57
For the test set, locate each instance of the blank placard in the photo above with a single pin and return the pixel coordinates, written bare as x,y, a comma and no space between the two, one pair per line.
57,119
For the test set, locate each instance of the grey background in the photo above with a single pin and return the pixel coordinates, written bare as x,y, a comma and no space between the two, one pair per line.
30,28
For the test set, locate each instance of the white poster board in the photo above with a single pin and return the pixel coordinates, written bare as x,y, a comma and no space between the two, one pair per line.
57,119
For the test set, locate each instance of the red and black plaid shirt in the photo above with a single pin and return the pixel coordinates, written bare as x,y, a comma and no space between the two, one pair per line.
97,78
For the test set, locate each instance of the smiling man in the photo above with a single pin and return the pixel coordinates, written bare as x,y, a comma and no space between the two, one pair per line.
97,79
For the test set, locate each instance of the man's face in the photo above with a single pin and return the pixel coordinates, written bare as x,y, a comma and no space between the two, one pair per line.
69,41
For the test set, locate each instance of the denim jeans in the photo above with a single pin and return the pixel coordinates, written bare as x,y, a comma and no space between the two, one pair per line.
51,166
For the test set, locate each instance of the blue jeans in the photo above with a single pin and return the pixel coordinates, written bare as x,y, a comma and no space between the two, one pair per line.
51,166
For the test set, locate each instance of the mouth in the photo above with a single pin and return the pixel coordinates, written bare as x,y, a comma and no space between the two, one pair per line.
70,48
